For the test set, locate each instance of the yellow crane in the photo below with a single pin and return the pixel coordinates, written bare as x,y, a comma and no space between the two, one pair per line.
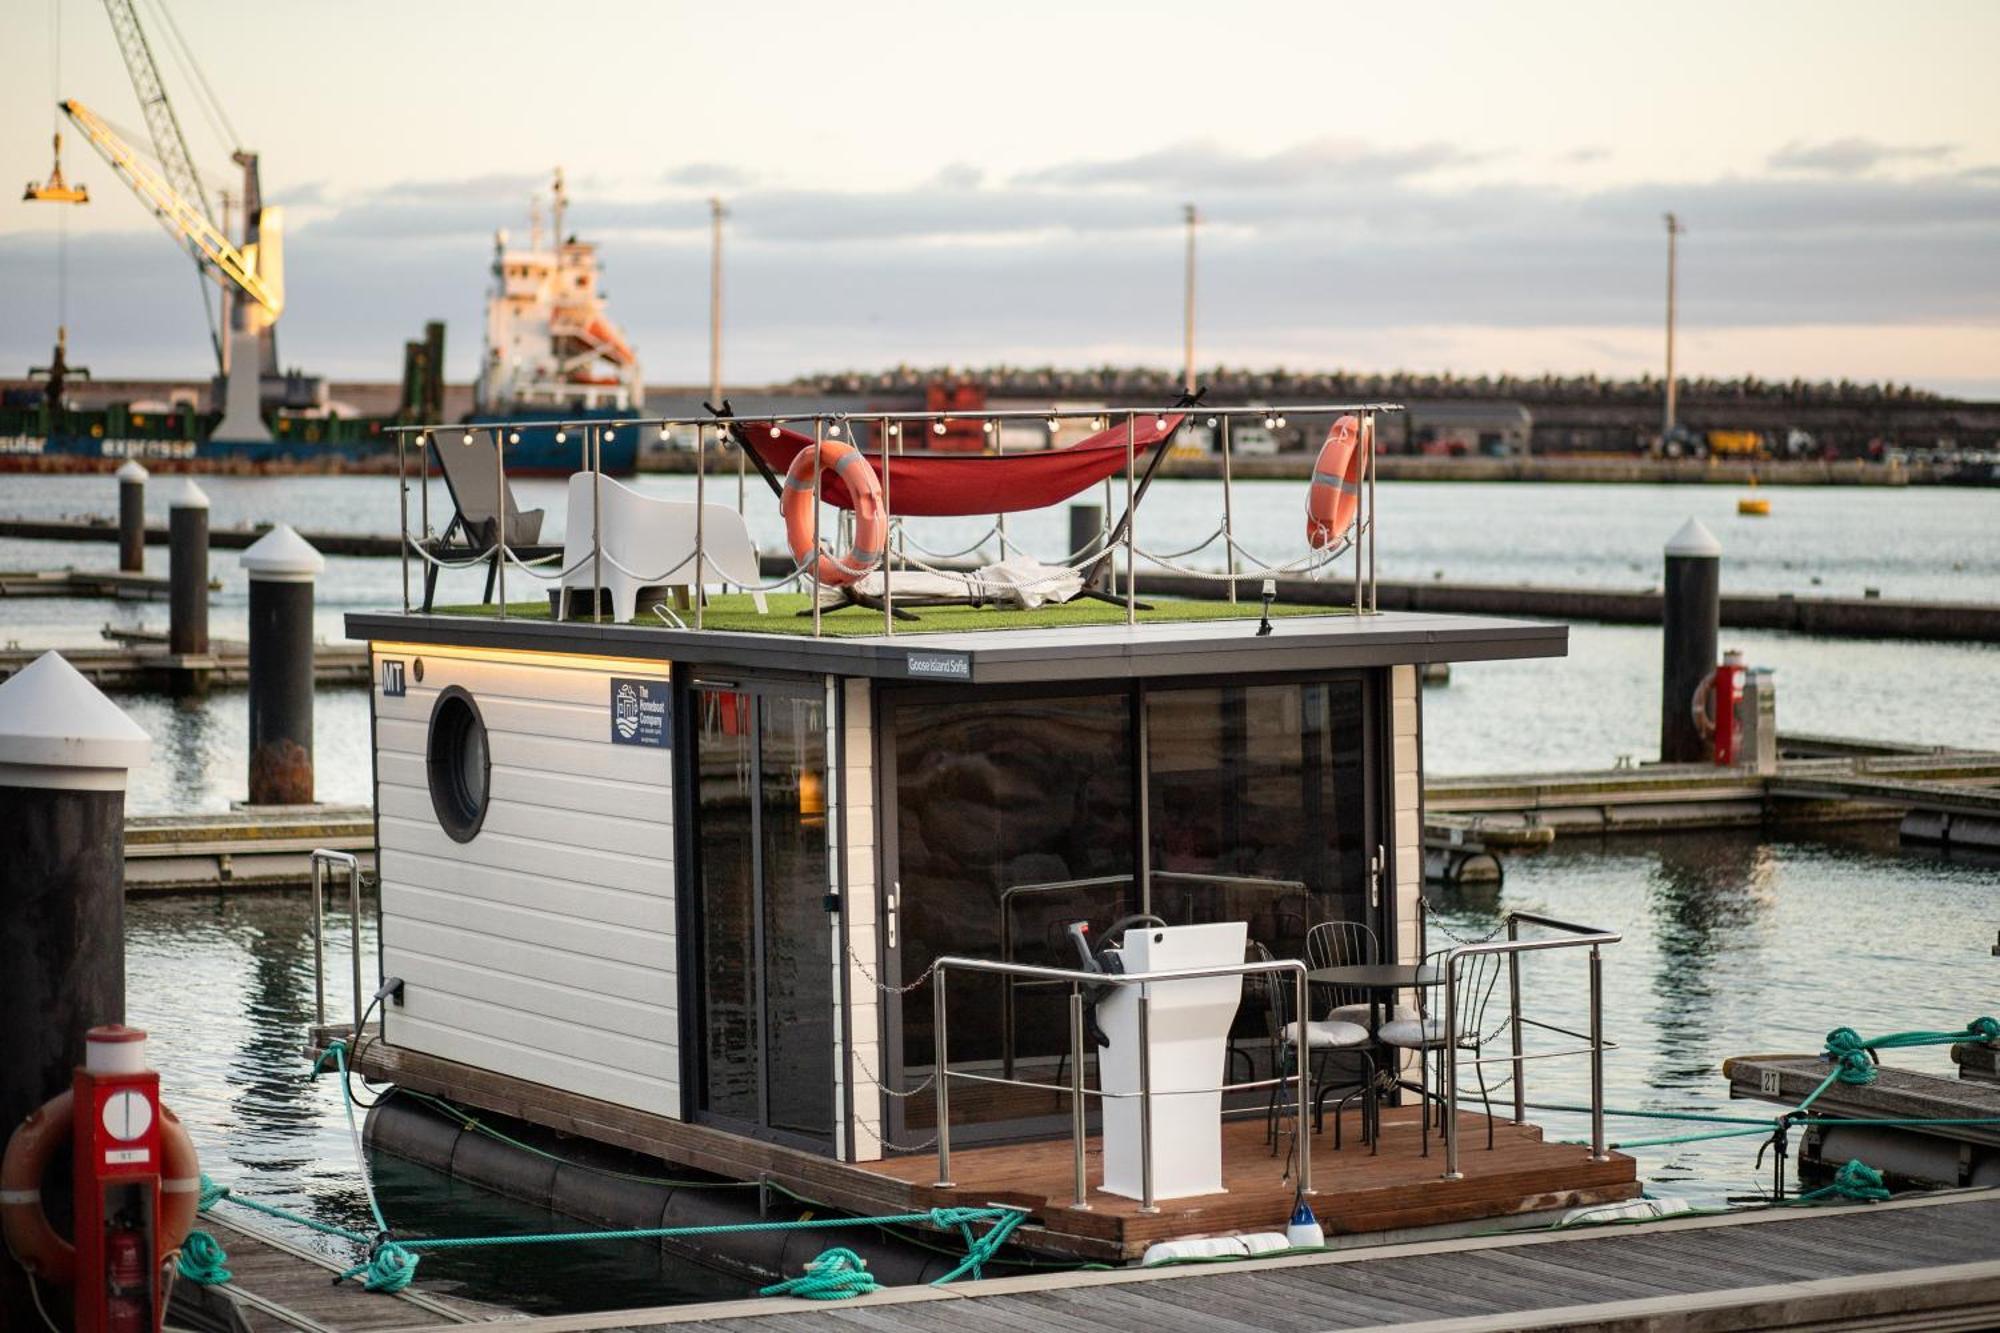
256,270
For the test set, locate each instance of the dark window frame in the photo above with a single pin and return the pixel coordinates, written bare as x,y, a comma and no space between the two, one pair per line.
458,812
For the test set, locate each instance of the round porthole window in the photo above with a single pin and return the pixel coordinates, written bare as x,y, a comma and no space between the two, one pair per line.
460,766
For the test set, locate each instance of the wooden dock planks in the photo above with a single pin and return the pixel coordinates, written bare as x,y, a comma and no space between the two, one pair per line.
1920,1262
276,1286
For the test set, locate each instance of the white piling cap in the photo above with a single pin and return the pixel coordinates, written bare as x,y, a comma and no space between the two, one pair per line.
1694,539
187,495
58,730
282,556
133,470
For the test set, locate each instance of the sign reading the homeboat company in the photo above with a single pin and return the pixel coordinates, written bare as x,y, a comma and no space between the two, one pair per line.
940,666
639,712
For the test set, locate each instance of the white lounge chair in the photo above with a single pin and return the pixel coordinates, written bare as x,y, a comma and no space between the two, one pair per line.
650,543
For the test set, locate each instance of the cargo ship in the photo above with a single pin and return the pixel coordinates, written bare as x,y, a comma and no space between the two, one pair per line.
552,351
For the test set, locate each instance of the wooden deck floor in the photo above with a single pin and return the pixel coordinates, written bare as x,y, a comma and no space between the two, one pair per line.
1930,1263
1391,1189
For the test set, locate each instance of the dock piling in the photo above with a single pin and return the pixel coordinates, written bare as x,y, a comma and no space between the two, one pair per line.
1691,624
65,751
132,516
187,545
282,567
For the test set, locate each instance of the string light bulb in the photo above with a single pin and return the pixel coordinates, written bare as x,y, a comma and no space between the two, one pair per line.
1159,423
664,432
562,437
895,428
1211,423
989,428
609,432
1281,423
937,428
513,437
1054,425
833,431
1270,423
467,439
774,430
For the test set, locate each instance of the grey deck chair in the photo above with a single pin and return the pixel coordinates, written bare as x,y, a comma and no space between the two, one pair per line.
472,476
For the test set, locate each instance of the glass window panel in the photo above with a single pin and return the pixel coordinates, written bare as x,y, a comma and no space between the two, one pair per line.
1006,811
731,1030
798,957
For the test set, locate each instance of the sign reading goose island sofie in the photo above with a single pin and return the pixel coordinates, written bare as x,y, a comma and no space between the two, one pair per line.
939,666
640,713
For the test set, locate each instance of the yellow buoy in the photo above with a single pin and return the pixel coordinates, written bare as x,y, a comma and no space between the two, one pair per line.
1754,506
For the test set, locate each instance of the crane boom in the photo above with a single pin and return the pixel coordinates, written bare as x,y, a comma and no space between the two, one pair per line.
169,144
253,270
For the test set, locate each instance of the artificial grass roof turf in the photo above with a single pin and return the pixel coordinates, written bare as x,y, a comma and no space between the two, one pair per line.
735,611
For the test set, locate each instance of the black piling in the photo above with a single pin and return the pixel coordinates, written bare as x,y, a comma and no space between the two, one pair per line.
1085,523
132,516
65,751
187,545
282,566
1691,625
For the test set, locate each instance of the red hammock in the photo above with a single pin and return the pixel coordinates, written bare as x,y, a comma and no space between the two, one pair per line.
950,485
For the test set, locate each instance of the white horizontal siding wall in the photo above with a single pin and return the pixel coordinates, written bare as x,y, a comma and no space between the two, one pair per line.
544,948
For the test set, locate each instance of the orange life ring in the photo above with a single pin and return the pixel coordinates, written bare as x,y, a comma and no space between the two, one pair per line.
25,1224
871,521
1335,497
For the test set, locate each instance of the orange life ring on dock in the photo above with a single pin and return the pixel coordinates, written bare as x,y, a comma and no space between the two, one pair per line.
24,1222
1335,497
871,521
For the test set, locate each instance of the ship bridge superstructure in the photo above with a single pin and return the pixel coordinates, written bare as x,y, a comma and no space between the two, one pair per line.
550,342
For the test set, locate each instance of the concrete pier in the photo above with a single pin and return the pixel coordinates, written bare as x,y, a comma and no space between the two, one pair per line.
282,568
65,752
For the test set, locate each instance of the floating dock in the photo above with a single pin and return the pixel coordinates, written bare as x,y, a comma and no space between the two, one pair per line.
142,662
1925,1262
265,847
117,585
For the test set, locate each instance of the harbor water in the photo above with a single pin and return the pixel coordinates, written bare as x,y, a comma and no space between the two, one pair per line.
1733,943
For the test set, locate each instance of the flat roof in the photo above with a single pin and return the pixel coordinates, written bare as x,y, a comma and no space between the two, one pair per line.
1014,656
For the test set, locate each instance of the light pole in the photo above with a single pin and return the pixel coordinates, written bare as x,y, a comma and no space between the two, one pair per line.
1187,314
1674,229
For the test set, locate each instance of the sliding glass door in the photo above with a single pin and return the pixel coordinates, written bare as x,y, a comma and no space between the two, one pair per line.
762,933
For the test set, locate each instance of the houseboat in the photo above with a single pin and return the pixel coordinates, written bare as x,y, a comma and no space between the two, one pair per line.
811,888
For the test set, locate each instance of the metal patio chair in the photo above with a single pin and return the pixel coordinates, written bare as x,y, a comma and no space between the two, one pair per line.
1478,974
1325,1037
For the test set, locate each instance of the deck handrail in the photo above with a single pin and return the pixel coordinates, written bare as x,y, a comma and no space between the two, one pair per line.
830,426
322,859
1574,936
942,1073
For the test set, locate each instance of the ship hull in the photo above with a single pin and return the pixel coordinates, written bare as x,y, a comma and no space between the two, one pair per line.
536,455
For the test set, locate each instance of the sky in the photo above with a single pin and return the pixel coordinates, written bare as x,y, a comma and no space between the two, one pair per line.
1450,186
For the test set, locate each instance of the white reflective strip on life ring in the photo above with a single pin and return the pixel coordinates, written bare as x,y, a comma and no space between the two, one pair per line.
182,1185
1344,486
20,1196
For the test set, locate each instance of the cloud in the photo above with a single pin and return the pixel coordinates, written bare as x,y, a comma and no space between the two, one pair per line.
1853,156
708,176
1201,165
1588,154
1074,260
